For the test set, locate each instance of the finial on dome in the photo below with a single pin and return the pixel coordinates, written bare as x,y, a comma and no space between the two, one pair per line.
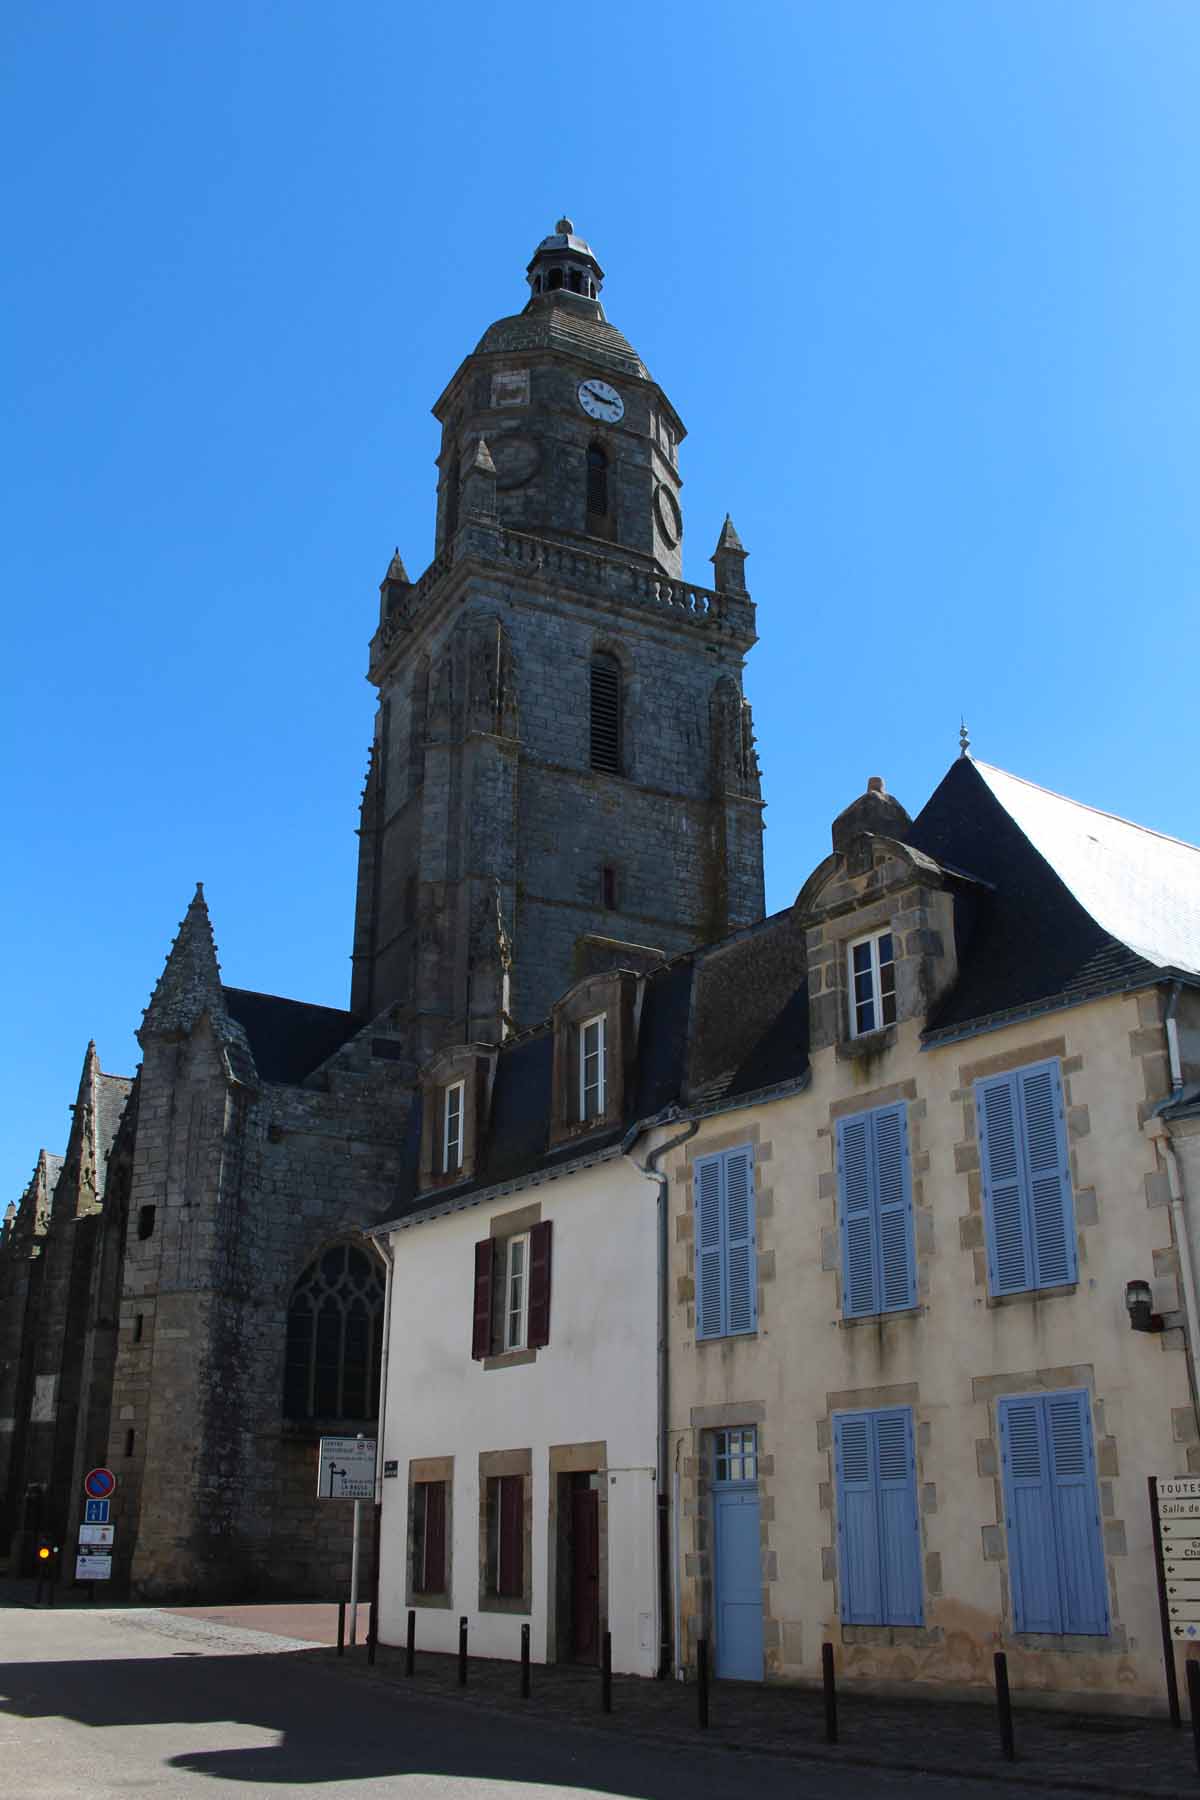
964,737
564,263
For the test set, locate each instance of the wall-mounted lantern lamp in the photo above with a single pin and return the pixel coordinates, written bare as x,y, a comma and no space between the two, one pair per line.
1139,1306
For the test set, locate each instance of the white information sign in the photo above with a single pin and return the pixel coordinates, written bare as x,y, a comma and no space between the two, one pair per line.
93,1566
1178,1487
346,1470
1175,1529
97,1535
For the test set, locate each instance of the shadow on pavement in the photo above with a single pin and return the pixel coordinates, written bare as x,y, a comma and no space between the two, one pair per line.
333,1729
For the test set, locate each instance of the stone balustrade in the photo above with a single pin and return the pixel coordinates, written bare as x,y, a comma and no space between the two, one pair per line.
556,561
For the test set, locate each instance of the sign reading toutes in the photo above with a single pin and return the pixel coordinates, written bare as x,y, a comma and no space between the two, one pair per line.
1175,1516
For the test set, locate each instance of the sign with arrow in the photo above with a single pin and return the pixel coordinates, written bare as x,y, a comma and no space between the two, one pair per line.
1175,1519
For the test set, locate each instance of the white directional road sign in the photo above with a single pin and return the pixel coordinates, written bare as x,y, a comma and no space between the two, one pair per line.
97,1535
346,1470
1175,1529
1178,1487
93,1566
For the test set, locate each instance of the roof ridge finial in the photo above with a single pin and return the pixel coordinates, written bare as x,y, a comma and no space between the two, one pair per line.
964,737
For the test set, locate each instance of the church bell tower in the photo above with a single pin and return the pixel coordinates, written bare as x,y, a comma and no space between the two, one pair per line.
563,775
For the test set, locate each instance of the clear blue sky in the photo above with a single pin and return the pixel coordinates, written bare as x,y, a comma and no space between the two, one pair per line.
922,279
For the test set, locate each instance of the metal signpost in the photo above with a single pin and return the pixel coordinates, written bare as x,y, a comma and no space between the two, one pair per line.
1175,1516
93,1557
346,1471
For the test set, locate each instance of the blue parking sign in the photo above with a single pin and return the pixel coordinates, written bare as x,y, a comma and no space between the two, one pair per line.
96,1512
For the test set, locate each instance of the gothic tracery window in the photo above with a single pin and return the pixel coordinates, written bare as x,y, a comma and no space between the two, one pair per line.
335,1338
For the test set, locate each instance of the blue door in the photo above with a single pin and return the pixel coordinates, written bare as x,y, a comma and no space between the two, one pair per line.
738,1587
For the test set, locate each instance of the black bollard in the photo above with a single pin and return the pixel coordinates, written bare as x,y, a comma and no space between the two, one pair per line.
462,1651
1192,1670
372,1634
410,1644
606,1672
524,1662
1004,1708
702,1682
341,1628
830,1685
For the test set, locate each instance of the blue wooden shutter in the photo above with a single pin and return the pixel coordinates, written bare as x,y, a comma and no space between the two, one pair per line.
1029,1516
1047,1175
899,1522
1010,1258
893,1188
856,1194
857,1520
741,1303
1083,1584
710,1248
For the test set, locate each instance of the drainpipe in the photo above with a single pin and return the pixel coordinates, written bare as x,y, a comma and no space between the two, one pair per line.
1178,1199
1171,1026
384,1251
652,1173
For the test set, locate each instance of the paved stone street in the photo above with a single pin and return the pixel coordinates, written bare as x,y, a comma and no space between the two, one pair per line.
136,1700
113,1703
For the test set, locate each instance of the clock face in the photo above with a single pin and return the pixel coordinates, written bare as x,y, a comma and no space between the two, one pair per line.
599,401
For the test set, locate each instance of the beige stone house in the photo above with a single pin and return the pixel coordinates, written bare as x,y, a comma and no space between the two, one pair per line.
907,1410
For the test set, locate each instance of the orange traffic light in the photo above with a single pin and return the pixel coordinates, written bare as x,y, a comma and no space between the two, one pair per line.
44,1553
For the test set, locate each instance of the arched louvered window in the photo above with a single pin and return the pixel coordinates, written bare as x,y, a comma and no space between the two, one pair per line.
606,715
335,1338
597,481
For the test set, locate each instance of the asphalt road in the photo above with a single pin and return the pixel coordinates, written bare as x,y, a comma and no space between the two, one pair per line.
99,1704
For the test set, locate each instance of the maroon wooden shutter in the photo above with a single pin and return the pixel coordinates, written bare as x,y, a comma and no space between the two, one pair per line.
511,1582
539,1284
435,1537
481,1328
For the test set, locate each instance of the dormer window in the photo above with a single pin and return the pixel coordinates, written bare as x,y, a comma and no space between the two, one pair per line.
452,1126
592,1084
455,1101
872,973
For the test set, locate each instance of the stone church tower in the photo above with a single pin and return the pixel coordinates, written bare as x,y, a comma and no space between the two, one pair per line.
563,773
563,778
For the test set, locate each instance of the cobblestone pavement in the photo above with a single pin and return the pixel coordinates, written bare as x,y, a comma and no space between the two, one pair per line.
1088,1753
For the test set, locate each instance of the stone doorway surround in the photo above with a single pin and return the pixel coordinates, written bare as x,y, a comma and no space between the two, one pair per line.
567,1460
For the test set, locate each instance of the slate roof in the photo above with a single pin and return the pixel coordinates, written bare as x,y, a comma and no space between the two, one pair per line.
112,1093
516,1147
1071,902
1141,886
288,1038
575,330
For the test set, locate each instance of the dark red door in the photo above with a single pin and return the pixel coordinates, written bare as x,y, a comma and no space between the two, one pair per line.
585,1574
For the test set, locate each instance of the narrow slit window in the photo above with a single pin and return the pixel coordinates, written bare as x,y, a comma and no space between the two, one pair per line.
452,1127
608,889
592,1085
606,716
597,482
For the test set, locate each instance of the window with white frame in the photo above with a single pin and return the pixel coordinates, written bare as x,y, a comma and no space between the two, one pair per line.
592,1085
872,970
452,1126
516,1291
